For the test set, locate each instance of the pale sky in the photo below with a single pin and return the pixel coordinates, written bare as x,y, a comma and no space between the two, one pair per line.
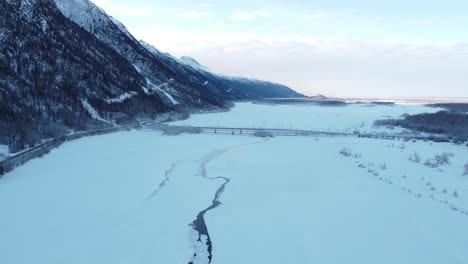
346,48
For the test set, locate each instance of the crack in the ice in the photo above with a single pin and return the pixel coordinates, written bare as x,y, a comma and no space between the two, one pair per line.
167,178
199,224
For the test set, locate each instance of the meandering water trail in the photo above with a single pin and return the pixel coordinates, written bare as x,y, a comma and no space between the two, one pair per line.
203,241
167,177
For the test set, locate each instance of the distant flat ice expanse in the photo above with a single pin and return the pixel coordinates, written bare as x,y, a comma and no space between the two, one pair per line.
305,116
290,200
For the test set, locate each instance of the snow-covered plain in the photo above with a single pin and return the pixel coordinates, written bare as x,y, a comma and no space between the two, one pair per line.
306,116
94,200
130,197
295,200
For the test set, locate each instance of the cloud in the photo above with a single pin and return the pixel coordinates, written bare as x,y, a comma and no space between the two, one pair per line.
330,67
193,14
206,5
314,16
339,53
245,15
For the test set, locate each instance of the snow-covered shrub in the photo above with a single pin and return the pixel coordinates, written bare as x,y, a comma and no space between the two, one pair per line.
455,194
383,166
443,158
415,157
346,152
439,160
431,163
465,172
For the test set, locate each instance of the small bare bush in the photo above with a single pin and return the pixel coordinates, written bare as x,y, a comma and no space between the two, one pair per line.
346,152
443,158
431,163
415,157
439,160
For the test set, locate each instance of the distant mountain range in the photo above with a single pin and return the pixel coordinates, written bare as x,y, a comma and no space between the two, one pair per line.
66,65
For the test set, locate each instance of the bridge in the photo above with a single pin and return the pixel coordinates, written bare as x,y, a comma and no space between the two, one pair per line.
176,130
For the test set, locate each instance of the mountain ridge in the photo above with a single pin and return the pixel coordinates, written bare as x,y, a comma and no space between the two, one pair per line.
66,65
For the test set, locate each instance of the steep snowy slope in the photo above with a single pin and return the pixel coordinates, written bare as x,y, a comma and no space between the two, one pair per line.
186,84
56,77
65,65
160,78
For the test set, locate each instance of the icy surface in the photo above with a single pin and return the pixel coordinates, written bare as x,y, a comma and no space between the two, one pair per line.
327,118
90,201
130,197
296,200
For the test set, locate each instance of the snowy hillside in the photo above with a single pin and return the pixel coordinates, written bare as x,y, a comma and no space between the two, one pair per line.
115,35
193,63
49,66
56,54
188,85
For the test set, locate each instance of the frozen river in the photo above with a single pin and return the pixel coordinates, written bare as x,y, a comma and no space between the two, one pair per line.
142,197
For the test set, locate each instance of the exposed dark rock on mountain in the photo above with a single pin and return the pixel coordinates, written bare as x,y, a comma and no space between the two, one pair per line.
55,77
188,79
65,65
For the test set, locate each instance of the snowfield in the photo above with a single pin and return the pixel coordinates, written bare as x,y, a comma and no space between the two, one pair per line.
295,200
137,197
96,200
305,116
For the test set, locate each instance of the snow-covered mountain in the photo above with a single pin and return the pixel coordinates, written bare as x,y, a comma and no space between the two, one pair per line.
56,77
65,65
224,86
159,78
188,79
